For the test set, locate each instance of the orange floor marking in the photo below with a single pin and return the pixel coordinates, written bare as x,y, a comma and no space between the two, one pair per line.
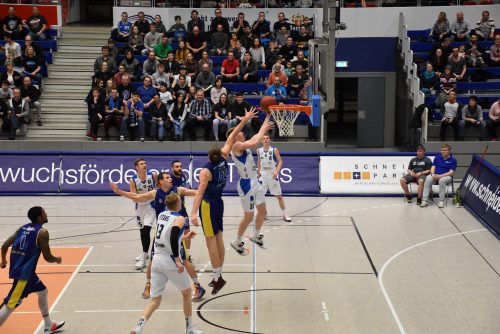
55,279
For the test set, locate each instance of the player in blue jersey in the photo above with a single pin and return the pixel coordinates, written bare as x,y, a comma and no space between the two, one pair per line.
181,180
28,242
208,201
157,197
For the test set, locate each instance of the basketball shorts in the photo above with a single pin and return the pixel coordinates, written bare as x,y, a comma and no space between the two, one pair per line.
146,216
163,270
211,214
186,223
268,182
250,191
21,289
410,179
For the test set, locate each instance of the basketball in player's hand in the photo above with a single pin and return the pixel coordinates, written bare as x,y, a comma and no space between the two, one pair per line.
266,102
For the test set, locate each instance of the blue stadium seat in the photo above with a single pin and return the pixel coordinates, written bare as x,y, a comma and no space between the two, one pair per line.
427,46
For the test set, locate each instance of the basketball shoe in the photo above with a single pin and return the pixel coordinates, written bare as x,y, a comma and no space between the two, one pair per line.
54,327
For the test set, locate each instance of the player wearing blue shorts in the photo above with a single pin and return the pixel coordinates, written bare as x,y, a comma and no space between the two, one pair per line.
181,180
208,201
28,242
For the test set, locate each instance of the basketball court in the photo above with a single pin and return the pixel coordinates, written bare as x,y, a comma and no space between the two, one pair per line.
343,265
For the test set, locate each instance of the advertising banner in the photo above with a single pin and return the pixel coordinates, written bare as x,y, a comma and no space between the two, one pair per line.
480,192
363,174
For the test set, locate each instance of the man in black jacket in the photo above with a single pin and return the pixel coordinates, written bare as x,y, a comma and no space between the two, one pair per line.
18,113
31,95
238,109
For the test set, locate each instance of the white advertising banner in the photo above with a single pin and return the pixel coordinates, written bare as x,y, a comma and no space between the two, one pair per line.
363,174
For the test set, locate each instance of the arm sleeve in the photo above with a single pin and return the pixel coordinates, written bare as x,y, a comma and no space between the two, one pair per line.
174,240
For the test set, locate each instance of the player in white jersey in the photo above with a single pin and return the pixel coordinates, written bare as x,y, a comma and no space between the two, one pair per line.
167,264
249,188
143,182
269,165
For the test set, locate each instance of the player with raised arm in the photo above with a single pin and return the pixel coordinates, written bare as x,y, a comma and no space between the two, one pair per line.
28,242
208,201
168,264
158,197
269,165
141,183
249,188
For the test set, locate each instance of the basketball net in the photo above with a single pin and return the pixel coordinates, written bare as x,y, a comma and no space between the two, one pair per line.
285,115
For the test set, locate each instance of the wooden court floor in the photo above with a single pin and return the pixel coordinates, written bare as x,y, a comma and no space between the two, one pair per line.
344,265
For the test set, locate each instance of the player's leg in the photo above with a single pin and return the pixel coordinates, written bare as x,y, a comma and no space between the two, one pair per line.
257,237
14,299
43,305
148,220
147,288
238,244
199,291
187,229
5,312
275,190
148,312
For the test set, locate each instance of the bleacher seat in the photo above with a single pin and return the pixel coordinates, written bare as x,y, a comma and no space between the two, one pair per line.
48,45
427,46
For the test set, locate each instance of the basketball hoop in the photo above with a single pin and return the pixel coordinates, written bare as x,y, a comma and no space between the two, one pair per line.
284,116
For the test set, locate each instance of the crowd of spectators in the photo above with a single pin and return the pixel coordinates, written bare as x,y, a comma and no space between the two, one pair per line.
21,80
448,65
180,91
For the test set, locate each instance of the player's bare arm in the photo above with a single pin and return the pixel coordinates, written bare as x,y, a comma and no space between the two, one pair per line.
5,247
139,198
43,243
253,142
280,163
174,237
186,192
249,114
205,177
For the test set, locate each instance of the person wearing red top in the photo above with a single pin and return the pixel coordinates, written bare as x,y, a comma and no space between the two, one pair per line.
230,69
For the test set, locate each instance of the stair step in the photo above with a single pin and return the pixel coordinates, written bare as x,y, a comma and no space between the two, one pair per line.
86,35
52,118
71,68
74,61
78,48
41,133
74,55
64,95
79,51
54,88
82,43
64,110
86,29
66,75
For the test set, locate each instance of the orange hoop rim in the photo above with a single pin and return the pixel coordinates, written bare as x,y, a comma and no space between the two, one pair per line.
292,107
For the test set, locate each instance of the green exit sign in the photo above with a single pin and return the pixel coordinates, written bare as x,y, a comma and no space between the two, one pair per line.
341,64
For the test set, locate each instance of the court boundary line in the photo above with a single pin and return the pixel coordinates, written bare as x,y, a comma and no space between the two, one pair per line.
386,264
364,246
61,294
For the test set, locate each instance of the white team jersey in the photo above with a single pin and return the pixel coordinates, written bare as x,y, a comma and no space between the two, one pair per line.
143,187
267,160
162,240
245,164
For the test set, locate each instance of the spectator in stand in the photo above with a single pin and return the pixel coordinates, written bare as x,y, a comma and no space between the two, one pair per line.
142,24
18,112
441,28
160,27
32,67
99,85
149,66
271,55
177,31
195,42
177,115
125,89
219,19
217,90
133,118
288,69
474,52
277,73
289,50
300,60
31,95
171,66
191,66
460,29
205,59
159,118
195,22
110,85
181,87
438,61
238,109
458,66
181,52
103,74
222,116
418,169
494,59
136,42
131,65
448,83
151,39
5,94
485,28
248,69
28,41
281,23
230,69
442,170
443,45
12,76
105,57
472,116
13,51
493,121
429,81
303,39
239,51
13,25
96,113
258,53
122,30
205,79
146,92
219,41
233,40
277,90
113,50
114,112
200,114
451,112
160,76
296,81
281,36
247,38
239,24
165,95
37,24
261,27
161,50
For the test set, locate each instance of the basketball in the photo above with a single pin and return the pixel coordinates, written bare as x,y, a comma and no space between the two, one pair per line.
266,102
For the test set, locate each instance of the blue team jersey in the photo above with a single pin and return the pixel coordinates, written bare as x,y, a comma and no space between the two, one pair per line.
25,252
159,203
179,181
216,186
